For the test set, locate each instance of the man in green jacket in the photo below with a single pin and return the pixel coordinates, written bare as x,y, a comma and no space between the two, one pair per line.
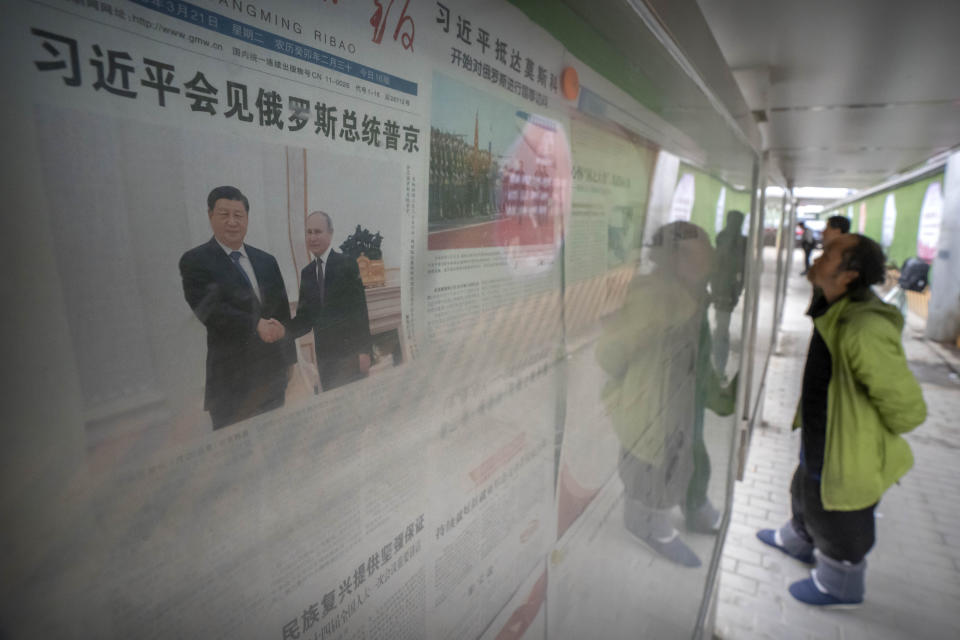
656,352
858,397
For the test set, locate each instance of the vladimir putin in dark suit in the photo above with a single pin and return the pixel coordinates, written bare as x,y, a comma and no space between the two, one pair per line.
237,292
333,304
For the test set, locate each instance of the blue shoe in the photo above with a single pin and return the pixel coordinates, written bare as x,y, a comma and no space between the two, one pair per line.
769,536
673,549
807,592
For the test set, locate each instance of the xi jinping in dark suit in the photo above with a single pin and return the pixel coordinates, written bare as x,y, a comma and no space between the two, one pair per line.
237,292
333,304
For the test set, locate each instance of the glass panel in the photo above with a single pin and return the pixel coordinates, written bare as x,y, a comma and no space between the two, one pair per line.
365,320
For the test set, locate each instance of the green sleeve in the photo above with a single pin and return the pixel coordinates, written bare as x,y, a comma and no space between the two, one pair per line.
878,363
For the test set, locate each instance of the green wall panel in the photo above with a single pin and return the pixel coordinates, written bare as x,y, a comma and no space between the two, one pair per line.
909,201
706,192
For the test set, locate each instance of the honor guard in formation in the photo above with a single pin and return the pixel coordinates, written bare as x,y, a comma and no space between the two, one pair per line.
463,179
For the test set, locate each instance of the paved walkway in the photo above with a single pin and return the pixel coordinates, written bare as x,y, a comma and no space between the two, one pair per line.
913,575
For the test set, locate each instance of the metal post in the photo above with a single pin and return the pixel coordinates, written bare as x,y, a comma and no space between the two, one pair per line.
943,315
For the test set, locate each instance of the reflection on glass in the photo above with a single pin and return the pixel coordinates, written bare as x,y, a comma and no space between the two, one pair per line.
656,350
726,285
467,222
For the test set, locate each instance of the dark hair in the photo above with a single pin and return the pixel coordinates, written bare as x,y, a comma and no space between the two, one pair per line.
326,216
867,259
669,235
227,193
734,218
665,244
841,223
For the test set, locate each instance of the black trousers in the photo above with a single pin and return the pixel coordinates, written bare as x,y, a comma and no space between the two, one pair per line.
336,372
807,250
225,417
265,397
841,535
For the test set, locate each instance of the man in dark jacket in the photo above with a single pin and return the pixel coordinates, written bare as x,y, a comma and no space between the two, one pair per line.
726,284
237,292
333,304
807,243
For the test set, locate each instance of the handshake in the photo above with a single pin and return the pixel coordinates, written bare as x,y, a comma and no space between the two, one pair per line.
270,330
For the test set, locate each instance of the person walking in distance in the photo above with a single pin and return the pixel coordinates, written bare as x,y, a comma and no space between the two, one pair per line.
807,243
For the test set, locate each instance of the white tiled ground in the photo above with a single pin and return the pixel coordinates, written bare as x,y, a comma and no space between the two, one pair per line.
913,575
